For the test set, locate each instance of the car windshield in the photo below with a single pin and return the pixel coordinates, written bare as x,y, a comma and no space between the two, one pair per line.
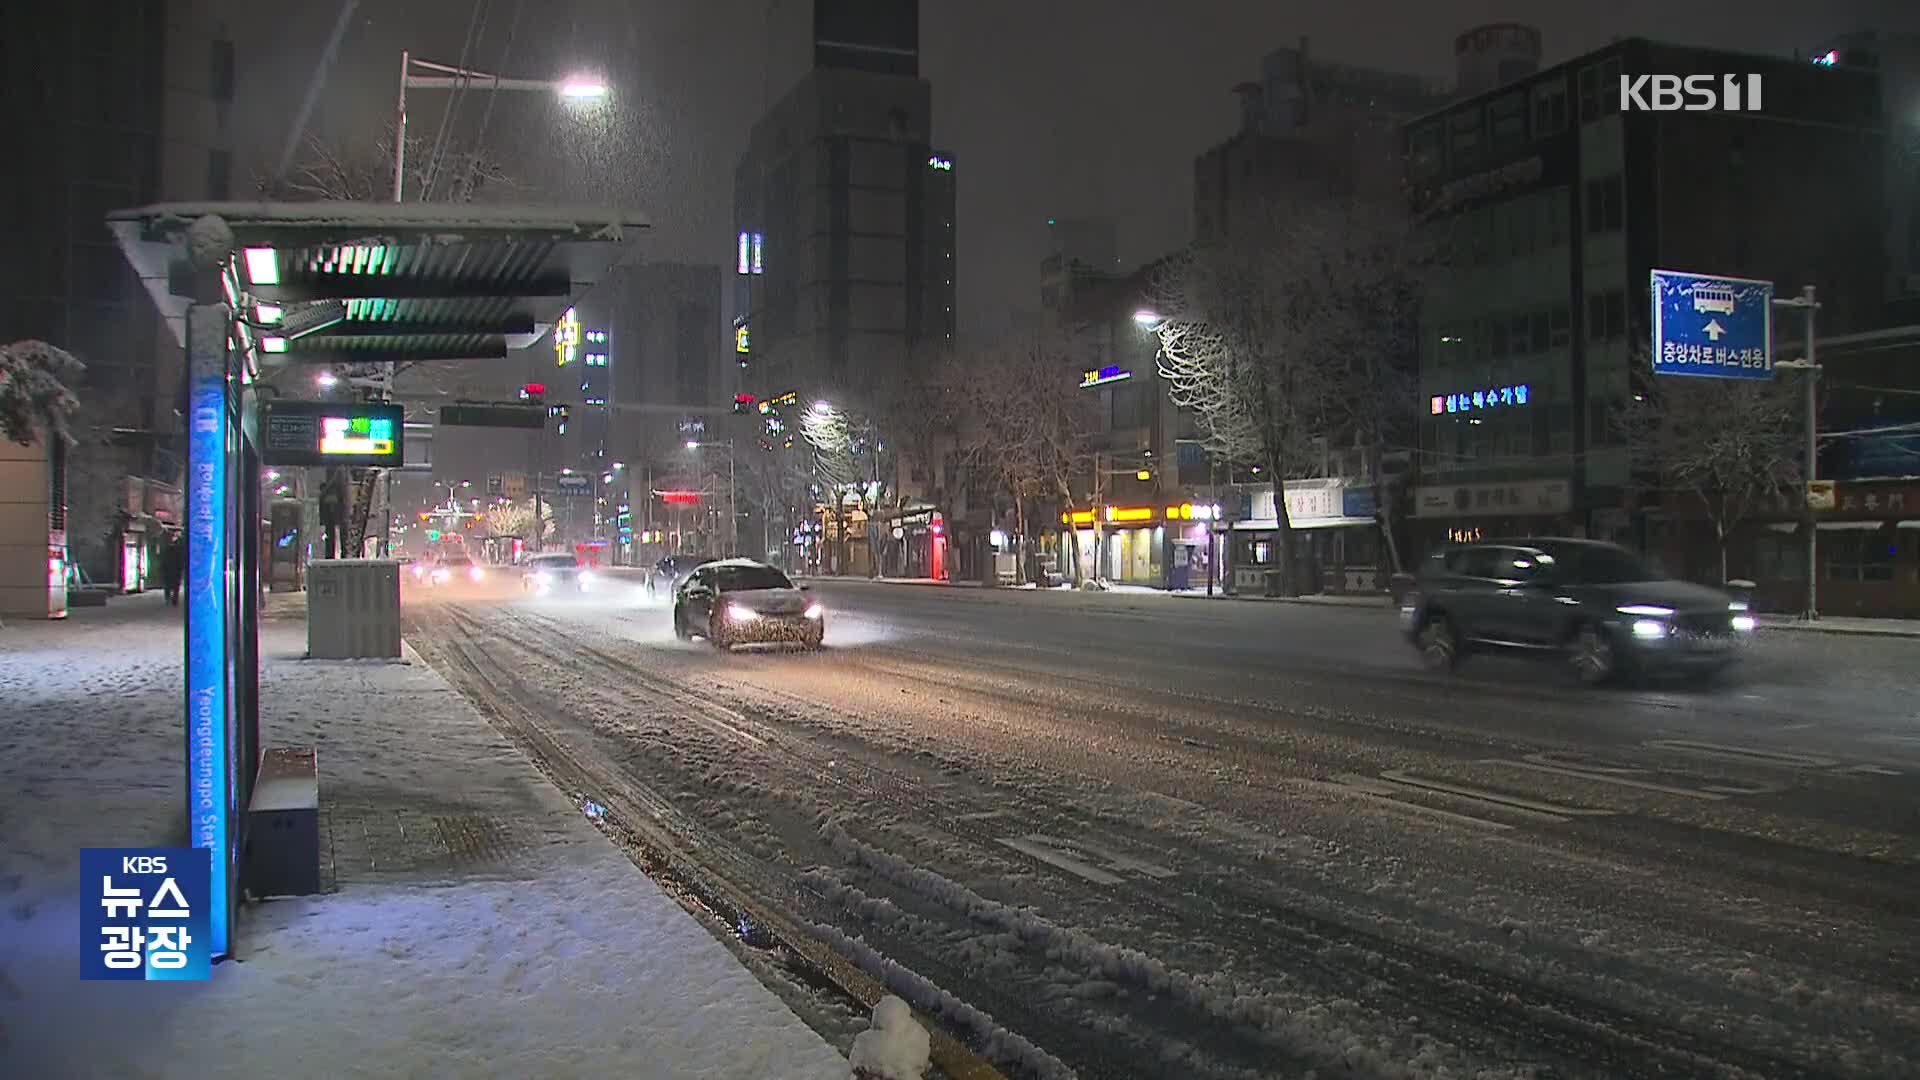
1611,566
739,578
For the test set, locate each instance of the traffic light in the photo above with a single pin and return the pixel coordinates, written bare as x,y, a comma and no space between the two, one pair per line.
743,403
534,392
433,535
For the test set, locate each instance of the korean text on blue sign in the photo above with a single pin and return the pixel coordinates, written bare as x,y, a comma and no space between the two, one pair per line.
1712,327
1493,397
143,913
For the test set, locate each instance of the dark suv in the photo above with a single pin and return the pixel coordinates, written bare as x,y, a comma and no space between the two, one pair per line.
1596,606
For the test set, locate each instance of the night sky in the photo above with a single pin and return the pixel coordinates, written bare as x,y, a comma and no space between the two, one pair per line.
1051,107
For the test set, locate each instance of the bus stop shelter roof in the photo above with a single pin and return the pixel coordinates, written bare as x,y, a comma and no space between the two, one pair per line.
418,281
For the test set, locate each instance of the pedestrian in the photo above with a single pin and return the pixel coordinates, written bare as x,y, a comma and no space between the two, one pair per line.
173,567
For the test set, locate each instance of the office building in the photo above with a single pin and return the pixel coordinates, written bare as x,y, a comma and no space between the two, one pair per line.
103,116
1308,127
844,261
1556,205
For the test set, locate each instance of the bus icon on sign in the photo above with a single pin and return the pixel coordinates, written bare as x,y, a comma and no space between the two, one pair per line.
1713,300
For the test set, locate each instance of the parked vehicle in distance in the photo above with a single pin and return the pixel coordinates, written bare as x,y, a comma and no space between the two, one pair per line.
1597,607
740,601
555,575
457,570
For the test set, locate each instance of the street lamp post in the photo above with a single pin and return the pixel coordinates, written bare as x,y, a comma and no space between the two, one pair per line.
733,514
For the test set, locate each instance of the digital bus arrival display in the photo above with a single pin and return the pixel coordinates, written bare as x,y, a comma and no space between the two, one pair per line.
333,433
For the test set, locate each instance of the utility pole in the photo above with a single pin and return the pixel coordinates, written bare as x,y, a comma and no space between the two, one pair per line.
1810,366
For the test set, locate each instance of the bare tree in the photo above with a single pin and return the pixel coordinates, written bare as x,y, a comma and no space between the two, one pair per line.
1028,423
1264,332
1733,445
774,485
34,395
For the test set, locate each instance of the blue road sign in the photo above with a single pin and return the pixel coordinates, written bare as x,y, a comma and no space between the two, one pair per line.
1712,327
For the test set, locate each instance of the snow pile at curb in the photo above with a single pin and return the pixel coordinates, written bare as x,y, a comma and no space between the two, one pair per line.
895,1048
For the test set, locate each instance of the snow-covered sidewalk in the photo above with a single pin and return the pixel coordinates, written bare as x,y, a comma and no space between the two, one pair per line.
478,924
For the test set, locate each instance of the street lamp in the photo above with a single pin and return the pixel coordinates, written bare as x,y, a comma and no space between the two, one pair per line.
326,380
454,78
1146,318
822,408
733,509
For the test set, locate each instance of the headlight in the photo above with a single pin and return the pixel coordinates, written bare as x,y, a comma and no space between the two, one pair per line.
1736,605
543,579
741,613
1745,623
474,573
439,575
1653,610
816,612
1649,628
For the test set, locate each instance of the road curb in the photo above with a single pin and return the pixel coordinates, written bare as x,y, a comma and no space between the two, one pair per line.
1841,631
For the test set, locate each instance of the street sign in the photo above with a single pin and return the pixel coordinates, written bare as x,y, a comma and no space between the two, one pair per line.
513,485
528,417
333,433
1712,327
1820,495
493,485
574,485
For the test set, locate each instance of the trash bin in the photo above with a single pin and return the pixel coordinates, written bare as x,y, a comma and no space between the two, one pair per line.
1271,578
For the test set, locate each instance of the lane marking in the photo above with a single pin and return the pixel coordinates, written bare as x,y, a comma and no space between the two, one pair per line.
1872,770
1383,795
1742,754
1611,777
1497,798
1037,847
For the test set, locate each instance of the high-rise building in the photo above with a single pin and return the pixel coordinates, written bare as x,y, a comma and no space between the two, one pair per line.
1308,126
1081,253
844,207
107,114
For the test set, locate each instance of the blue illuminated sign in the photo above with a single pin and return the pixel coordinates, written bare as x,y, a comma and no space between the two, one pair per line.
144,913
1493,397
1712,327
208,698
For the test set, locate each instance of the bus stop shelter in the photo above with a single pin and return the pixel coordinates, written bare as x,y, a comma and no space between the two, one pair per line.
250,289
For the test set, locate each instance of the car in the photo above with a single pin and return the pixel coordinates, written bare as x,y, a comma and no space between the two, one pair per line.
739,601
555,575
458,570
1597,607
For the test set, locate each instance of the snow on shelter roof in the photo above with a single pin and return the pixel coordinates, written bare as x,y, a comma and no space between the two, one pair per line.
421,281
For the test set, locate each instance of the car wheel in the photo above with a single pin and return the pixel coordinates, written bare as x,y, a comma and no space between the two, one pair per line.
814,639
680,628
1439,644
1592,655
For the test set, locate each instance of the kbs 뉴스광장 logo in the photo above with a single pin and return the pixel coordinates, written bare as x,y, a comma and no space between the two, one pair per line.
143,913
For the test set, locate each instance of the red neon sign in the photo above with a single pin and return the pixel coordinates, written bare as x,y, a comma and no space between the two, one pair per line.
680,498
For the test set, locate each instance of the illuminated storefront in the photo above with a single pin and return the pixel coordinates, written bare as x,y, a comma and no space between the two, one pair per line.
1336,538
1163,547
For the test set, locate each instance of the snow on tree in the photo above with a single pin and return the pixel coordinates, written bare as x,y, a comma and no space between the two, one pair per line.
1026,419
1733,444
34,395
515,519
1268,334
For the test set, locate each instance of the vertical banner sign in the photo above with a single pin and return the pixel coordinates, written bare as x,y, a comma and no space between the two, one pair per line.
208,699
144,913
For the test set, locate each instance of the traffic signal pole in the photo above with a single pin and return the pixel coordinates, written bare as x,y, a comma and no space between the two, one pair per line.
1810,365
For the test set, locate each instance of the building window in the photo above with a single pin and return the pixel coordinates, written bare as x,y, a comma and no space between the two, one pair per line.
1556,219
1607,316
1497,338
1549,109
1522,226
1857,556
1463,139
1600,90
1507,121
1605,205
1518,335
1537,331
1559,329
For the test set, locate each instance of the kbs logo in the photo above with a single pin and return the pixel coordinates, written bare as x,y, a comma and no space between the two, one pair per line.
1693,93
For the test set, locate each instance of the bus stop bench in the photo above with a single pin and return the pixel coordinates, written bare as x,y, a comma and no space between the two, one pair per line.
283,825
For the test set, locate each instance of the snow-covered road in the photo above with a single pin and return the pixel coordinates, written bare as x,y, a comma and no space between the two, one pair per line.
1106,836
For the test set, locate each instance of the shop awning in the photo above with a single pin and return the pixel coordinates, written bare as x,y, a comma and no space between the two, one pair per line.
1849,526
1270,524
